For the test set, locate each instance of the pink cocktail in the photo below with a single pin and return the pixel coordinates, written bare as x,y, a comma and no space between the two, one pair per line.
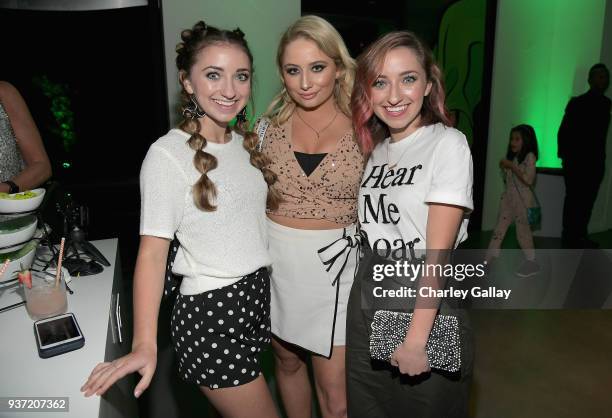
45,299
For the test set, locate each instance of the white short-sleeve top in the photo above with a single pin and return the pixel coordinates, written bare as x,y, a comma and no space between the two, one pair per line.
432,165
217,248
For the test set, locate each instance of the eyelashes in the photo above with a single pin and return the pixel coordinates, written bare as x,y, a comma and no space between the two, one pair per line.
380,83
316,68
214,75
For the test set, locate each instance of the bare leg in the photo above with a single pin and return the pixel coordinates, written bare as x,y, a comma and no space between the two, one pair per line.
252,400
330,381
291,374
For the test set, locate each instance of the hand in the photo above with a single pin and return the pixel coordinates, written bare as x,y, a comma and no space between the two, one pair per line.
411,359
506,164
142,359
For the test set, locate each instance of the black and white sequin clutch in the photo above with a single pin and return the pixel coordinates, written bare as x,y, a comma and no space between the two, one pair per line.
443,346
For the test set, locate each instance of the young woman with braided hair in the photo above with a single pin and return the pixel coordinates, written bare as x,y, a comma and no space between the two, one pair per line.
208,185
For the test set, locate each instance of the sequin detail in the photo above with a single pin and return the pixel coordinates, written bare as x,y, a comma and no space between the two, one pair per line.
443,345
11,162
331,190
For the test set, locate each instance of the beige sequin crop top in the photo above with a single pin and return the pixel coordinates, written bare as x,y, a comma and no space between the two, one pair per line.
331,190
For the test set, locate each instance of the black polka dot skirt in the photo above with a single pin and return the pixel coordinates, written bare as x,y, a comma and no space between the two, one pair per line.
218,334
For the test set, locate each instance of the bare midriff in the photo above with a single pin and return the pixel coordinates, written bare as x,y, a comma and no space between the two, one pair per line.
299,223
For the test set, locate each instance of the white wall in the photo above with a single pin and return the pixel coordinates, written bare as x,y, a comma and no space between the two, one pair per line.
263,21
542,45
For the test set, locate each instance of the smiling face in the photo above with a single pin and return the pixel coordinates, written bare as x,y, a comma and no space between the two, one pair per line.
220,79
516,142
308,74
398,92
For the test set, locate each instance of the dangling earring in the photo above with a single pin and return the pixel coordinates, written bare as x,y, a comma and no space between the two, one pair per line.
241,117
192,110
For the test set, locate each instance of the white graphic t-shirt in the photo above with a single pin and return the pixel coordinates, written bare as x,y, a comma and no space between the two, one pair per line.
431,165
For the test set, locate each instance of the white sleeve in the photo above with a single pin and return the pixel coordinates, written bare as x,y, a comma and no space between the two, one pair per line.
452,172
163,187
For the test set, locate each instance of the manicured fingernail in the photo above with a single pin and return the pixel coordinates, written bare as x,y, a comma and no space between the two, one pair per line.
137,393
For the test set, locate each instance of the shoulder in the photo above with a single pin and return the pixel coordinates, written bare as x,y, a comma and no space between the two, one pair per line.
173,145
571,104
262,125
530,158
446,137
449,147
7,90
261,121
11,98
173,139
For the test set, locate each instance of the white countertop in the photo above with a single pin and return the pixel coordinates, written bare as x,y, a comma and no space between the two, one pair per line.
24,373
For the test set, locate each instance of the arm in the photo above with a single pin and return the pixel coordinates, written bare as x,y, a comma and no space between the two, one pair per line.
442,226
160,176
565,134
38,168
449,196
526,175
148,288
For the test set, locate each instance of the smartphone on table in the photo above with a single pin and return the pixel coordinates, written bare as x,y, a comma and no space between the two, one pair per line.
57,335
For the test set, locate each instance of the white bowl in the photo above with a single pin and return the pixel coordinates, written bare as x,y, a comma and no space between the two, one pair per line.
15,266
12,241
22,205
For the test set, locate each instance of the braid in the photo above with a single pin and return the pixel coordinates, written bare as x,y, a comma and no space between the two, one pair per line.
260,161
192,41
204,190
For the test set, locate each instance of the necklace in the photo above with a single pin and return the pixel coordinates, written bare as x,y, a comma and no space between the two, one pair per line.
318,133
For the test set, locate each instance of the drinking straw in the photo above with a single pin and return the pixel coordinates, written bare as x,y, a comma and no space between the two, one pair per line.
59,262
4,266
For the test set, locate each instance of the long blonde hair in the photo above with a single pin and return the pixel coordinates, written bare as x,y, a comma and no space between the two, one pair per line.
329,41
204,190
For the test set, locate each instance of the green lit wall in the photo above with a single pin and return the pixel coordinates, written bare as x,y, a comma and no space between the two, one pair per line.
263,21
543,51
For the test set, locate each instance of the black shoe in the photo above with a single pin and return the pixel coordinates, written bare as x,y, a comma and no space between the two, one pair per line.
527,269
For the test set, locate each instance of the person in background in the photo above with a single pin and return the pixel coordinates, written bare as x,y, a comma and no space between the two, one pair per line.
519,168
208,185
582,147
312,149
415,195
24,164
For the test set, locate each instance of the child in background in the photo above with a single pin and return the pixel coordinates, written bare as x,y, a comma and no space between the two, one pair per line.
519,169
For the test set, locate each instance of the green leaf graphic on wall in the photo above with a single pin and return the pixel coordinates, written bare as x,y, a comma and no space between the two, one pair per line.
460,53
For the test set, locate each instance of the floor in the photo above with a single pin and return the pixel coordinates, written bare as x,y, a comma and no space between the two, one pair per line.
553,363
542,364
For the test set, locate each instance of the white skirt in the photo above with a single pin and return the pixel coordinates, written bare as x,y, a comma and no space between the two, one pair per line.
307,309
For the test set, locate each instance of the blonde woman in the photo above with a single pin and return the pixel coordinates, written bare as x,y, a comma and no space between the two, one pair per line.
312,149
